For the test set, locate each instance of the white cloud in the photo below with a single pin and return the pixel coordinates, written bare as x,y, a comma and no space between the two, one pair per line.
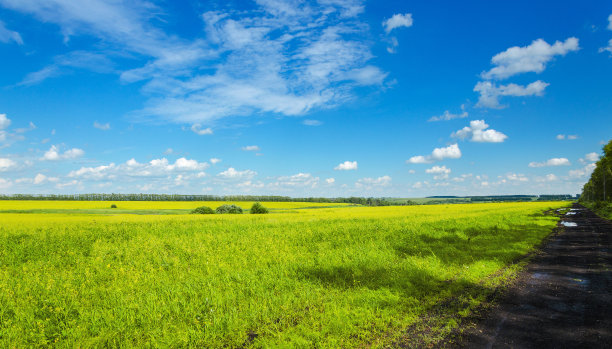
214,161
583,172
548,178
232,173
490,93
309,122
607,48
156,168
370,183
450,152
448,116
54,154
197,129
398,20
41,178
568,137
330,180
251,148
7,35
5,183
299,180
7,164
610,22
411,171
103,127
4,122
517,177
551,162
532,58
440,172
276,57
346,166
590,157
168,151
62,64
477,132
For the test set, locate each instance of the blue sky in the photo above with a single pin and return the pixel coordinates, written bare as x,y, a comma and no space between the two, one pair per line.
303,98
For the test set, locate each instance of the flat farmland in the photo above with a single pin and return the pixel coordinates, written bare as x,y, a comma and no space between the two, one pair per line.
79,274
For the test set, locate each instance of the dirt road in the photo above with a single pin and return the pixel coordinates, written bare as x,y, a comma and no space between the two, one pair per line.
564,297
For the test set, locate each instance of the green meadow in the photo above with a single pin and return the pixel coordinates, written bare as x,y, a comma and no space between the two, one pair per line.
305,275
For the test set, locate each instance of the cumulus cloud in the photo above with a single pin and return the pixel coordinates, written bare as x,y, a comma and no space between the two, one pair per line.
251,148
477,132
41,178
214,161
232,173
7,164
7,35
590,157
330,180
531,58
551,162
440,172
490,93
197,129
610,22
103,127
582,172
346,166
398,20
370,183
54,154
156,168
299,180
516,177
4,122
450,152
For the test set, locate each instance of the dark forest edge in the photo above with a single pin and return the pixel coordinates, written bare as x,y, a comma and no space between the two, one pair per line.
596,192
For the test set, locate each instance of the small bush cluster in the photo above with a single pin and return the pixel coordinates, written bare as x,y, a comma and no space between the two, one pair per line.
113,206
203,210
258,208
233,209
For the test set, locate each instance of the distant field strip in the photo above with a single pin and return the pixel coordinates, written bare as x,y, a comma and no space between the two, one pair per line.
327,277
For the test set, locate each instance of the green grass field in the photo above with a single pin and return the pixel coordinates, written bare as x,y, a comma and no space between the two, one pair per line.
78,274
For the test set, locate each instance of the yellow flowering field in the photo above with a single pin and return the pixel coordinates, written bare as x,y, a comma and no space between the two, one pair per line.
305,275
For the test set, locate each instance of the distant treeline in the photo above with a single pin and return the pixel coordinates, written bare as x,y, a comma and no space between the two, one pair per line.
180,197
499,198
371,201
599,186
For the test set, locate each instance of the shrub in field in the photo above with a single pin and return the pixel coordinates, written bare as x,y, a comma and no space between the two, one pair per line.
203,210
228,209
113,206
258,208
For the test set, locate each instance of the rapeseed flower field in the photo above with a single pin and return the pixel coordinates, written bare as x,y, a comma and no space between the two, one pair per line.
147,274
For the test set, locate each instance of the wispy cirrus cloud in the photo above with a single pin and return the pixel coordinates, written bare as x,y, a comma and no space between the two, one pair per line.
6,35
281,57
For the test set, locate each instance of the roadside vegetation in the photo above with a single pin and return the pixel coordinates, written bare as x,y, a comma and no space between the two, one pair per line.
314,276
597,192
